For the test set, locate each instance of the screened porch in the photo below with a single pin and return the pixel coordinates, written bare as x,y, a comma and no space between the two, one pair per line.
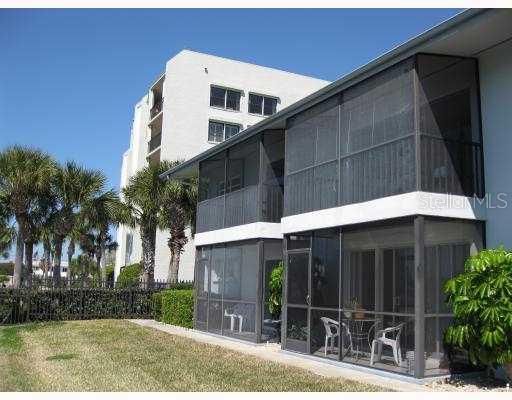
377,289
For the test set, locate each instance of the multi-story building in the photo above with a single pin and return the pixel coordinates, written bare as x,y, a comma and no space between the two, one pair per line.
198,102
391,177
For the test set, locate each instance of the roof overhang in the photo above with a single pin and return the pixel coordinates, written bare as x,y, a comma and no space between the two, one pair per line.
467,34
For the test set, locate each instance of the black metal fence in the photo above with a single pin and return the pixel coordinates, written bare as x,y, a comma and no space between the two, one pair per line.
45,301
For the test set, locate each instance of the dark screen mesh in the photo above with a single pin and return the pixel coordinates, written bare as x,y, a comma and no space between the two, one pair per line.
240,189
375,130
228,304
449,124
372,130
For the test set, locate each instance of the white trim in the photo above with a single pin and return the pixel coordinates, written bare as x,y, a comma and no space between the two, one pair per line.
256,230
433,204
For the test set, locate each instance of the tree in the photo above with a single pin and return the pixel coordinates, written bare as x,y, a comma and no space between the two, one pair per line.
24,173
142,204
46,240
7,232
73,187
38,219
83,268
178,211
99,214
481,298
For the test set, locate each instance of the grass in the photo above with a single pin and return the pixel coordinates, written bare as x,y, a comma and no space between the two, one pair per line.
113,355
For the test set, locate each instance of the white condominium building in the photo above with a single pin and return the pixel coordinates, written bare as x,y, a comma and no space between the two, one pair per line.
198,102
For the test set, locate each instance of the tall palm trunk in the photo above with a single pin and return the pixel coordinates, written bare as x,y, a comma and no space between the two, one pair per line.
174,265
103,261
97,257
29,253
148,238
56,260
46,258
176,243
18,261
71,251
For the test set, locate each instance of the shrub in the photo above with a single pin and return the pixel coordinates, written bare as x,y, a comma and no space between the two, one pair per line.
109,272
481,298
178,307
157,305
7,268
182,286
23,305
275,287
129,276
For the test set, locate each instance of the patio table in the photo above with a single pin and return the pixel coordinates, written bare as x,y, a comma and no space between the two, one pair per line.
360,329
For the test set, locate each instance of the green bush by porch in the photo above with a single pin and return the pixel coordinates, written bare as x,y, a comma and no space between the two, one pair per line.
481,298
177,307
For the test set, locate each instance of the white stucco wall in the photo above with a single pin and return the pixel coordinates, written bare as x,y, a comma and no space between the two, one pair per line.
496,100
186,112
133,159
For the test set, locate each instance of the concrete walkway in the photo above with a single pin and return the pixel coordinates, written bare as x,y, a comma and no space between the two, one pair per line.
273,352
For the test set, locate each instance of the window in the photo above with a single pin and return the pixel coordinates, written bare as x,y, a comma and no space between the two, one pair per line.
262,105
220,131
128,249
225,98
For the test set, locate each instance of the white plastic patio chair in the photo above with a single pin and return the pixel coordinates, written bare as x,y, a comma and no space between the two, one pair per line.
382,339
332,331
238,313
232,316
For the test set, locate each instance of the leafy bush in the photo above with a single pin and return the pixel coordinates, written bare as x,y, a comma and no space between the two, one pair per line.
83,268
183,285
275,287
3,279
481,298
129,276
157,305
109,272
22,305
178,307
7,268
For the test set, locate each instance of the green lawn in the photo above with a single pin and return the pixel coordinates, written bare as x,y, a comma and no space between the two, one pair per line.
111,355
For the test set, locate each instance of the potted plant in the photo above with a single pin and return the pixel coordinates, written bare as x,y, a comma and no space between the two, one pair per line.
481,299
358,309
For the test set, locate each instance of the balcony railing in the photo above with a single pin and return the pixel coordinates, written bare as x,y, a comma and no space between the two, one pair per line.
250,204
155,142
157,107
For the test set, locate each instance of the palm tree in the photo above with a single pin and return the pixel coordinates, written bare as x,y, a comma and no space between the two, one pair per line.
178,212
24,173
142,203
39,217
46,240
99,214
73,187
7,231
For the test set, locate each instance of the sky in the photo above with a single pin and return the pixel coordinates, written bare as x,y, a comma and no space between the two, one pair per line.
69,79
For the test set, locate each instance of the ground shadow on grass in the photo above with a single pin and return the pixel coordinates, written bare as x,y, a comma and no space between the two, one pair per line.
10,339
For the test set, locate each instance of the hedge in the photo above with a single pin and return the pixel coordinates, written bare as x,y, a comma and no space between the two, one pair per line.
157,306
177,307
25,305
129,276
